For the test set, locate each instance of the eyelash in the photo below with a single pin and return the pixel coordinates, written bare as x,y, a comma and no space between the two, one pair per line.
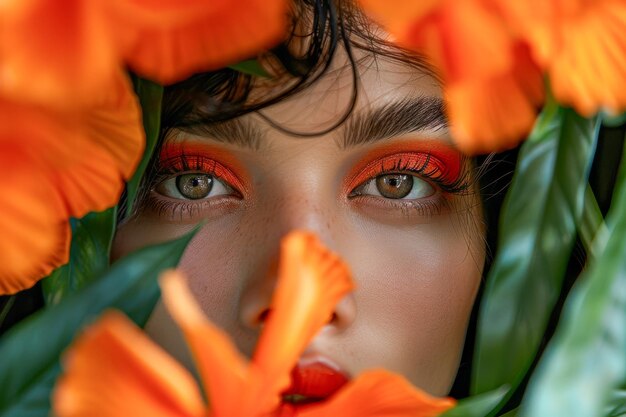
424,168
182,164
414,166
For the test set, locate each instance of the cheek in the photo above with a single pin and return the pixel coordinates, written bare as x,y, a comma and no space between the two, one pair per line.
213,263
415,293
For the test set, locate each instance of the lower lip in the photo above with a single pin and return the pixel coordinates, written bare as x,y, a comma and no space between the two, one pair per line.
315,381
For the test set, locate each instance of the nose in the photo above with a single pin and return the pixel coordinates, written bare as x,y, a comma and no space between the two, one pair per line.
294,203
256,301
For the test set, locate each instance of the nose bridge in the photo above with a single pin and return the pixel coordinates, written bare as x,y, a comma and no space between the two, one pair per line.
305,198
307,211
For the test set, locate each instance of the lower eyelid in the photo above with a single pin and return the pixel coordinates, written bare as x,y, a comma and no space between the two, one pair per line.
401,211
177,210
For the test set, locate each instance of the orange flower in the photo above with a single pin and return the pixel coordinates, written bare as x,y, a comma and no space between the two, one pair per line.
55,52
114,369
492,86
495,113
56,165
166,40
64,52
581,44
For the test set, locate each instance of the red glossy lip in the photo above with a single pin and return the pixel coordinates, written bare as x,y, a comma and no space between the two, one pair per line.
315,381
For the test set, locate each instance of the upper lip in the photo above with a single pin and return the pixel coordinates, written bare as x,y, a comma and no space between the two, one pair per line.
314,379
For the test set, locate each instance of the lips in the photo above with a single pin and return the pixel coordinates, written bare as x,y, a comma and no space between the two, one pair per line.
313,382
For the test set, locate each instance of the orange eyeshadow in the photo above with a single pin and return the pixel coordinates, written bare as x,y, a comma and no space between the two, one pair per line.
205,158
435,159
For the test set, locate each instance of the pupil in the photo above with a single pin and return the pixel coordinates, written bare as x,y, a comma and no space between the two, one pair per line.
394,185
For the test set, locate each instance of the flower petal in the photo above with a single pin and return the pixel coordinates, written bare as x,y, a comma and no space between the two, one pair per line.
35,237
379,393
581,44
224,371
115,125
105,148
168,40
496,113
114,370
594,45
464,40
66,61
311,281
398,16
33,218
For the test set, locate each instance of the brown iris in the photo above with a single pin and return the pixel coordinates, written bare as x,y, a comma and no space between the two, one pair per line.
194,186
394,185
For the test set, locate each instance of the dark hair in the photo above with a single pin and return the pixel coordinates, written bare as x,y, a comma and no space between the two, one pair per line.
317,29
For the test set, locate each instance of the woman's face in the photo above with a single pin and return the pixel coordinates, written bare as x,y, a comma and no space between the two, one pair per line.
385,190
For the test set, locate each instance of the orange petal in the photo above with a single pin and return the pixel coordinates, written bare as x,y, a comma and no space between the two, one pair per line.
115,125
168,40
582,45
398,16
311,281
380,393
56,165
35,239
223,369
33,218
114,370
494,114
589,71
55,52
105,149
462,39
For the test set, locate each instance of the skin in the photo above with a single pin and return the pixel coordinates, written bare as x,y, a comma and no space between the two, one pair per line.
416,271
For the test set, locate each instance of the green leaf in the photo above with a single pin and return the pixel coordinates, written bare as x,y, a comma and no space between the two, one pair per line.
29,352
4,311
150,97
593,231
613,120
89,255
537,232
617,404
512,413
478,405
586,360
250,67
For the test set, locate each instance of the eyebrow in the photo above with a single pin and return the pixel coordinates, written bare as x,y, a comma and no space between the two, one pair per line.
394,119
239,132
411,114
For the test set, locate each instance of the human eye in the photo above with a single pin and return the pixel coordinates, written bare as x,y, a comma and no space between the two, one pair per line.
399,186
191,184
414,182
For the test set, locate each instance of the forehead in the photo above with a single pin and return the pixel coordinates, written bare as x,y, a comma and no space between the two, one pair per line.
378,80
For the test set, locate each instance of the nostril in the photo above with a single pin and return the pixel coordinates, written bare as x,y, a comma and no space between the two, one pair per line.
334,319
263,316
